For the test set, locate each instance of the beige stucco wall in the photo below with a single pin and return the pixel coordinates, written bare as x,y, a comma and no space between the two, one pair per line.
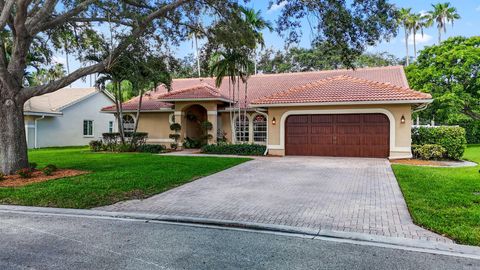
401,143
157,125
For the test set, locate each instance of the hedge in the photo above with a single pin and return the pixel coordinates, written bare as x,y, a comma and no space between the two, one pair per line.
472,129
451,138
235,149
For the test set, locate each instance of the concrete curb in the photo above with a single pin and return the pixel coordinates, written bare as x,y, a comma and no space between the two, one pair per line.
392,242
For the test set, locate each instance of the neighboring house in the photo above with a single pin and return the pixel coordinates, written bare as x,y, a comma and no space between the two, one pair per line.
365,113
67,117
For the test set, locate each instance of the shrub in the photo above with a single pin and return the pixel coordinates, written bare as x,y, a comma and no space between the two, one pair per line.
124,148
151,148
175,127
25,172
52,167
48,171
174,146
32,165
96,146
190,143
451,138
235,149
2,176
428,151
174,136
472,130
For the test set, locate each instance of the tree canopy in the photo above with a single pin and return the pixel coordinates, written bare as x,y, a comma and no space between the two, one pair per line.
450,72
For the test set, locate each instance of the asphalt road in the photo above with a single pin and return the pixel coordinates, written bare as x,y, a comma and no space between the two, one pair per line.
35,241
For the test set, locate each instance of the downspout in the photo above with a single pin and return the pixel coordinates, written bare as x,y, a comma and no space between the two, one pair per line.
36,132
266,139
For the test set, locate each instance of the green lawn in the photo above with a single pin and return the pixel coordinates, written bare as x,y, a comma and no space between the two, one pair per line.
445,200
113,177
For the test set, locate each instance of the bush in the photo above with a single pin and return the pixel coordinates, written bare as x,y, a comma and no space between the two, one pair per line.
48,171
174,136
96,146
472,130
32,165
2,176
428,151
52,167
235,149
174,146
25,172
175,127
151,148
125,148
451,138
189,143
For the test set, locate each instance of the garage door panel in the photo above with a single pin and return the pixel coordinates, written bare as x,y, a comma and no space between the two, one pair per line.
351,135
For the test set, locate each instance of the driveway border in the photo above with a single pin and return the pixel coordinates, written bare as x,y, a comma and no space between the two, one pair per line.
465,251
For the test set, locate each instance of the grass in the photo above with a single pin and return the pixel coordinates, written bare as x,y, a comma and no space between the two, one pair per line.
445,200
113,177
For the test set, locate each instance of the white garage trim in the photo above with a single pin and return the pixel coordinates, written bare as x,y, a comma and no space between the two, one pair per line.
390,116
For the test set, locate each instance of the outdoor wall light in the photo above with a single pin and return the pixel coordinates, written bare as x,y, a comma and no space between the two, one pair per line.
402,120
274,121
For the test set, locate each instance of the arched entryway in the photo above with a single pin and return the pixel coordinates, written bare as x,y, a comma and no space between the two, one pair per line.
194,116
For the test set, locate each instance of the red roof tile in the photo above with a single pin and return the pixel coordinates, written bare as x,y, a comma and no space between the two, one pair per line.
343,89
264,85
200,91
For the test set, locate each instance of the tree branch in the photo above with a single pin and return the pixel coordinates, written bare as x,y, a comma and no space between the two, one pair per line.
53,86
79,73
6,9
38,27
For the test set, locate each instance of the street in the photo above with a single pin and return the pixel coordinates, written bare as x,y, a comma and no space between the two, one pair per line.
41,241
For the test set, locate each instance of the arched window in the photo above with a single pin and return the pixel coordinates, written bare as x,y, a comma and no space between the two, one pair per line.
260,128
241,128
128,123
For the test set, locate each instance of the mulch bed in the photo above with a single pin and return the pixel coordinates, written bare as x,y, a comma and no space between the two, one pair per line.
37,177
419,162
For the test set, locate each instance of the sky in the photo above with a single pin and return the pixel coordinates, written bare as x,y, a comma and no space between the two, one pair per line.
468,25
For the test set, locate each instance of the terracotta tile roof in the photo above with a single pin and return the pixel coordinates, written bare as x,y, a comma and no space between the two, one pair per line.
343,89
264,85
149,103
200,91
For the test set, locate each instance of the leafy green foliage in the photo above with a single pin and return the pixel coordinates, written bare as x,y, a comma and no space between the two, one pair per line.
450,73
349,26
25,173
235,149
444,200
472,130
452,139
190,143
151,148
428,151
96,145
32,165
175,127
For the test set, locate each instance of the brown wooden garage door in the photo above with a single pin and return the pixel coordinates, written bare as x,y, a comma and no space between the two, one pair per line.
343,135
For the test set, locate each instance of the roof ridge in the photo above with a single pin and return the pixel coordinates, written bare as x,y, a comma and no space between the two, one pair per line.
196,86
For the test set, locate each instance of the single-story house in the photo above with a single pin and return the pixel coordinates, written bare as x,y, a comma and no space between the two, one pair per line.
361,113
67,117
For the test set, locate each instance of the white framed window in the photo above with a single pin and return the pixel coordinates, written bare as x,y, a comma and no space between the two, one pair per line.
128,123
260,128
88,128
241,129
110,126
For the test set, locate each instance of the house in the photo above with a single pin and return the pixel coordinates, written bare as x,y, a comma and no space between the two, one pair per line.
67,117
364,112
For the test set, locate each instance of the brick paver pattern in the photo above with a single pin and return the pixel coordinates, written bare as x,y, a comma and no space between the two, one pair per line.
340,194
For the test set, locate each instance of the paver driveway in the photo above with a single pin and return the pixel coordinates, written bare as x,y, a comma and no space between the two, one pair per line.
340,194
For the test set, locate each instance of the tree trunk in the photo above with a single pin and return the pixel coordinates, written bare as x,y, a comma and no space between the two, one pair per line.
406,45
414,45
439,35
13,144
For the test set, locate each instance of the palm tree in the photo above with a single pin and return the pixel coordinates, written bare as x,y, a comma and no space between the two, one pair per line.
404,18
196,34
442,14
417,23
256,23
233,64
